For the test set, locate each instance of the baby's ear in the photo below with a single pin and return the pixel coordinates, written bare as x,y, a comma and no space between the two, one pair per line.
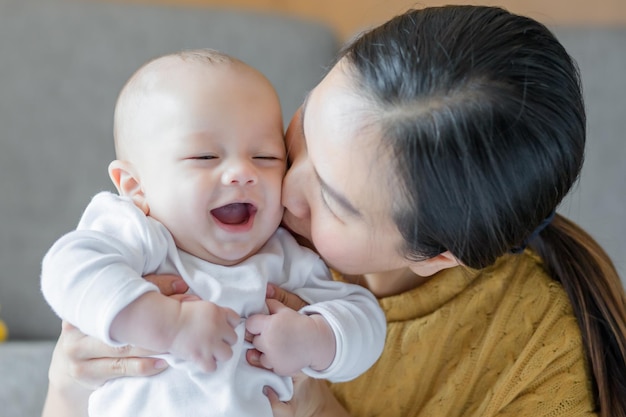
126,180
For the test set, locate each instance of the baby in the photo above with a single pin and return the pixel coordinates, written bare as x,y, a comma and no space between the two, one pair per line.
200,161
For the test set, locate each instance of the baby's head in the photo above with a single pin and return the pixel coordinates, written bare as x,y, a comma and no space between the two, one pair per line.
199,147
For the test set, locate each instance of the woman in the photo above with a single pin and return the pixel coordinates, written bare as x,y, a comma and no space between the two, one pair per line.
427,166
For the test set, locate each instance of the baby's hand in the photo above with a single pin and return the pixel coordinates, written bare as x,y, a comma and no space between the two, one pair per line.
290,341
205,334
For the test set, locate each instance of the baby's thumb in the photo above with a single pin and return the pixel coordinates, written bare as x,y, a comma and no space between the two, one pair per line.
255,325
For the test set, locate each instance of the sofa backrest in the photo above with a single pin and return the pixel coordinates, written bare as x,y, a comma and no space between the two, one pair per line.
598,201
62,64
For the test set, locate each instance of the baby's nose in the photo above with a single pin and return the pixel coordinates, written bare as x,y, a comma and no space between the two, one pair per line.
239,173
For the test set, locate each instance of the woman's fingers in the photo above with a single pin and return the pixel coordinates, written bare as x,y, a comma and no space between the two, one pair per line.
168,284
78,346
253,357
300,404
279,408
92,362
289,299
93,373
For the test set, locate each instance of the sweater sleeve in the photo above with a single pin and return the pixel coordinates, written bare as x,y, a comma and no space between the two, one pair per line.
89,275
353,313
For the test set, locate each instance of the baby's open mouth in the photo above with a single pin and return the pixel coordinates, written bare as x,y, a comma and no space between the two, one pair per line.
234,214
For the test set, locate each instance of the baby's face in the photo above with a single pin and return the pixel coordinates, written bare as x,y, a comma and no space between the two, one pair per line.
214,160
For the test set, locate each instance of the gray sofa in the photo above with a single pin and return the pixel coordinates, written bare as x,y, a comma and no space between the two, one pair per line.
61,66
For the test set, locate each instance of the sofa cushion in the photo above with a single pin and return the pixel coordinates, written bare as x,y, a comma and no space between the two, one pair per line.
24,366
63,64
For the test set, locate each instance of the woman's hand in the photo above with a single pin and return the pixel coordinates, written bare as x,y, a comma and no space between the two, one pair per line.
91,363
287,298
311,398
81,363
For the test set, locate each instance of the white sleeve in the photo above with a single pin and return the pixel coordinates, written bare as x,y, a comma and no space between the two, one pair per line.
89,275
353,313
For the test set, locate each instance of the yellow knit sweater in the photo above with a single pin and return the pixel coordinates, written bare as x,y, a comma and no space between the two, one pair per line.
501,341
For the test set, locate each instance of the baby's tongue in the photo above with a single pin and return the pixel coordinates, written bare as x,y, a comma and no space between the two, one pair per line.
235,213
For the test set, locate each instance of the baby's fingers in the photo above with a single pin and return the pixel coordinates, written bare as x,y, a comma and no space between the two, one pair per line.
227,328
255,324
232,317
223,352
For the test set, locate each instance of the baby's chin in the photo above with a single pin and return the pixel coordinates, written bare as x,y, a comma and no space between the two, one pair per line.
224,256
229,259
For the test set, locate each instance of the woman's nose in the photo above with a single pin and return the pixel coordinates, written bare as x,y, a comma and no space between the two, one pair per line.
239,173
294,192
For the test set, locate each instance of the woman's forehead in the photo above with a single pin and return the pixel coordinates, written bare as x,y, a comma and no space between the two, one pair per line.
344,143
336,107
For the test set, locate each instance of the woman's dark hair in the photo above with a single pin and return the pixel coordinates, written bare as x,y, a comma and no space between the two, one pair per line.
483,111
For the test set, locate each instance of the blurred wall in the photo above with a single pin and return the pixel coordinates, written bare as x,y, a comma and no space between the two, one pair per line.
350,16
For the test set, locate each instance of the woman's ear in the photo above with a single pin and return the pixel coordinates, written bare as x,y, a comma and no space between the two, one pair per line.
431,266
126,180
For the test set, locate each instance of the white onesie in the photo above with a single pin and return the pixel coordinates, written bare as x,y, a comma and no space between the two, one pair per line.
89,275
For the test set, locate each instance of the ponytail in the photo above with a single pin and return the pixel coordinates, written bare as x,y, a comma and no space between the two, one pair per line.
593,286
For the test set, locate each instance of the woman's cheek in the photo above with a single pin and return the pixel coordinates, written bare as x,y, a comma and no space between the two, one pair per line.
333,247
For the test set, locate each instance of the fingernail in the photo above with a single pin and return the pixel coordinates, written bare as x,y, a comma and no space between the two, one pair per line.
270,291
160,364
179,286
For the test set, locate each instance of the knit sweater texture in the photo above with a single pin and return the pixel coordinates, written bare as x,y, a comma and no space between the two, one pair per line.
501,341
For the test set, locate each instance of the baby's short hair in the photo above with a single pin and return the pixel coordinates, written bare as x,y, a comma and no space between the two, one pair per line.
207,55
202,56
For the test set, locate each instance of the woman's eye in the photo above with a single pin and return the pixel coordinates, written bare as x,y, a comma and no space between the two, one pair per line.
266,157
205,157
327,205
